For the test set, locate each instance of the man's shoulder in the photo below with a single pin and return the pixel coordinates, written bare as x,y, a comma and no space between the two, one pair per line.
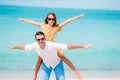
53,43
33,44
50,42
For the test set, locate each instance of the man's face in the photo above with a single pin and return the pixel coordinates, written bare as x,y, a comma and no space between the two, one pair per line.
40,39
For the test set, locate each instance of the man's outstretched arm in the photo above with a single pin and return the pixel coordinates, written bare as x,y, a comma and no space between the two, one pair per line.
21,47
78,46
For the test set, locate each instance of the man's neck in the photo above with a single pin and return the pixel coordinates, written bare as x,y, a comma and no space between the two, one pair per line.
42,45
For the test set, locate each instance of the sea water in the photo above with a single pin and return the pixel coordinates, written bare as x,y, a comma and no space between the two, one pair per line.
99,27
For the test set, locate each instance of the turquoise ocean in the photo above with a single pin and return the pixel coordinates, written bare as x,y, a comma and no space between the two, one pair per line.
99,27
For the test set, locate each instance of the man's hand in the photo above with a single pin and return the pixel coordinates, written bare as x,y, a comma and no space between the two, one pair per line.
88,45
82,15
21,19
11,47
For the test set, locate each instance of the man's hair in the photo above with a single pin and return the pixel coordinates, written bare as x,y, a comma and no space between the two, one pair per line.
39,33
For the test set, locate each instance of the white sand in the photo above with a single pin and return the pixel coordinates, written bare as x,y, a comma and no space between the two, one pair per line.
87,75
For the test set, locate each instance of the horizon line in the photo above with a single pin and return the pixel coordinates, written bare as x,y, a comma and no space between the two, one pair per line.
57,7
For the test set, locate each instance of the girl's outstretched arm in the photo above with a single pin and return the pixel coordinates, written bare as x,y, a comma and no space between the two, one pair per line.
30,21
71,19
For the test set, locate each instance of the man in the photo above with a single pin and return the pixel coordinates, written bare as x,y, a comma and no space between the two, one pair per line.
47,52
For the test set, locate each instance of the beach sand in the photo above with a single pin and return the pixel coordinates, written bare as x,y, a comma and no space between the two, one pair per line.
86,74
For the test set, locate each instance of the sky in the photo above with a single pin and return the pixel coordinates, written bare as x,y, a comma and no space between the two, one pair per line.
80,4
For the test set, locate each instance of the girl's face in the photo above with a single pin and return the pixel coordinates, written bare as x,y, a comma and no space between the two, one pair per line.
50,20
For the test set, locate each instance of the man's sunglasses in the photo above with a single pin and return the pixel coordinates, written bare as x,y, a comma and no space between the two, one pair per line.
40,39
51,19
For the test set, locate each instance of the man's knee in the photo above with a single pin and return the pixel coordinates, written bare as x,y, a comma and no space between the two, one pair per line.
61,77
